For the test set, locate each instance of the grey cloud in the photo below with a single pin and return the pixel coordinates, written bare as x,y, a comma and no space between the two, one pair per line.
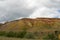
2,0
14,10
53,4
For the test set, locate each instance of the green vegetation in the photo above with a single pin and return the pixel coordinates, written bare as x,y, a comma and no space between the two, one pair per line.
27,35
2,33
30,36
10,34
32,29
50,37
13,34
10,38
21,34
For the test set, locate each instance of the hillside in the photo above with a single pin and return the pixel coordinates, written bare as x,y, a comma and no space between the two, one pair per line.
38,24
40,28
1,24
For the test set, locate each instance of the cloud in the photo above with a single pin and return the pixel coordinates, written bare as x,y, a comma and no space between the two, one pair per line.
50,9
14,9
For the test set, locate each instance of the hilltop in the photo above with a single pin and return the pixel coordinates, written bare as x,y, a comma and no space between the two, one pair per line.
32,25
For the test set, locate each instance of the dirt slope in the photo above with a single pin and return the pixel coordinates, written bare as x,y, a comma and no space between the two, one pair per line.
32,25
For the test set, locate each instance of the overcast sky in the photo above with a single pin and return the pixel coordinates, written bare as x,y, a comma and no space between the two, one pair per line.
15,9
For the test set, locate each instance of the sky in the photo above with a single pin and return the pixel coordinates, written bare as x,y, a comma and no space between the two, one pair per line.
16,9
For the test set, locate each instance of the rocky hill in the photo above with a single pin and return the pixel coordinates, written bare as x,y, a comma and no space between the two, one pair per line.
32,25
42,28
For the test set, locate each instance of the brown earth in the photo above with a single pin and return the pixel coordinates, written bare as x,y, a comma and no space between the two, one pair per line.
38,26
32,25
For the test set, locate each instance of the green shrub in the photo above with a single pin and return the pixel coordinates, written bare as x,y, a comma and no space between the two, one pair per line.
29,36
13,34
50,37
21,34
2,33
10,34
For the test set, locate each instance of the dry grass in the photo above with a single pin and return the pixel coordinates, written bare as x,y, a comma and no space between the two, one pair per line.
39,25
31,24
6,38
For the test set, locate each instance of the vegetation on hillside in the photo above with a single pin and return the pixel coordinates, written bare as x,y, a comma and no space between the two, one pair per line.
29,35
47,29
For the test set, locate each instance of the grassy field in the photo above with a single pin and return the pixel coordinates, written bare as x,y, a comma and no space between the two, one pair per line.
6,38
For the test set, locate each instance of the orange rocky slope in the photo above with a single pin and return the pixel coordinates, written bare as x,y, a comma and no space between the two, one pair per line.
32,25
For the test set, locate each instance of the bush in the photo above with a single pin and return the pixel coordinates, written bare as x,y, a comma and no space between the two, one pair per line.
10,34
50,37
29,36
21,34
2,33
13,34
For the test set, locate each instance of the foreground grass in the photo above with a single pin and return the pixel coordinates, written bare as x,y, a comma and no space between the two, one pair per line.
7,38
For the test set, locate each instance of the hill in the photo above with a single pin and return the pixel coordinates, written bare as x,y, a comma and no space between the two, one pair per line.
32,25
34,28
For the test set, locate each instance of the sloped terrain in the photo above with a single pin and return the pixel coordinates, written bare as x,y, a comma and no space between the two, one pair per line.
39,27
6,38
44,24
1,24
